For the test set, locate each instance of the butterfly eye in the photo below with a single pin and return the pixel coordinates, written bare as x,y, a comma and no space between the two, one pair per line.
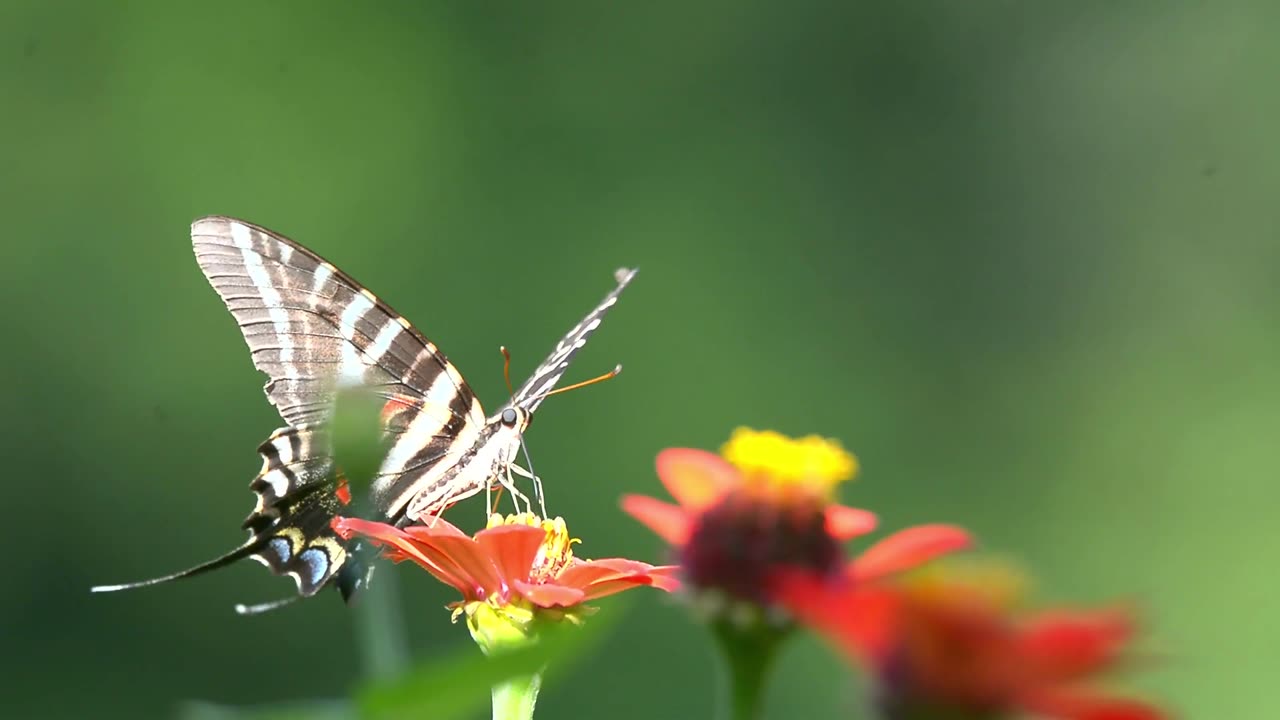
509,417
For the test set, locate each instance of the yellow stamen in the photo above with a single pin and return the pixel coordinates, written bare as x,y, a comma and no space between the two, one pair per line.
812,462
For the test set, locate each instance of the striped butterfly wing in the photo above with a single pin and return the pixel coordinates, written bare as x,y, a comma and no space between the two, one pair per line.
311,329
545,376
309,324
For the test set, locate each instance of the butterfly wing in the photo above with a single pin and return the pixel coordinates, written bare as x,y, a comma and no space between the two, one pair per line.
308,324
311,329
544,378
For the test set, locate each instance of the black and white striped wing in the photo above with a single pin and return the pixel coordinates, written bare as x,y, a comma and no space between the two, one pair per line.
544,378
310,326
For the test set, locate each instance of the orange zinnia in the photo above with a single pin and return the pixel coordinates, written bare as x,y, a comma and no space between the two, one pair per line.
519,569
949,644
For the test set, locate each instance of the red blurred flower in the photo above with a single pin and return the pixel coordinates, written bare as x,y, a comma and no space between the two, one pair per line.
949,644
519,569
767,506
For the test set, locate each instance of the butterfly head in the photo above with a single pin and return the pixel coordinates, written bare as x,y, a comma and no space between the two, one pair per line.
515,419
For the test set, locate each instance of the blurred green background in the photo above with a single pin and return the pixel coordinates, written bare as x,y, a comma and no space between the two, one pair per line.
1021,257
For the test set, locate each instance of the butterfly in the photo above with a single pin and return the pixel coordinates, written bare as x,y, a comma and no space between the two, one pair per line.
312,329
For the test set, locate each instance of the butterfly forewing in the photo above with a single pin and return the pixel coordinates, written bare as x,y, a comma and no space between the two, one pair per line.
544,378
309,325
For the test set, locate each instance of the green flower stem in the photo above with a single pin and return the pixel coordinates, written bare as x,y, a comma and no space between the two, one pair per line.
380,629
515,698
747,652
502,630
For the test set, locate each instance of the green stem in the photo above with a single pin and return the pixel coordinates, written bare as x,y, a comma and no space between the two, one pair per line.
747,653
515,698
380,628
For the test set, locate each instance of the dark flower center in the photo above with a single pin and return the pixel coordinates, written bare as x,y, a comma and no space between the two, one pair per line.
740,542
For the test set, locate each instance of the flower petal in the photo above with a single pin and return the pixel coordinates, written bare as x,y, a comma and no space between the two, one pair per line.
617,585
547,595
598,578
1088,705
512,548
697,479
667,521
907,549
862,622
846,523
402,545
439,527
1065,645
471,560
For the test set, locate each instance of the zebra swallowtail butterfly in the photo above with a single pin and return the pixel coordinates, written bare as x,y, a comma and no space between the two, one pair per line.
311,328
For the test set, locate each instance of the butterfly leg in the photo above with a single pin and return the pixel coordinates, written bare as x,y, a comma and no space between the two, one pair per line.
537,487
508,482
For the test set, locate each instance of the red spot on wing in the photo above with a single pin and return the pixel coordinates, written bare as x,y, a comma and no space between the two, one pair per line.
397,404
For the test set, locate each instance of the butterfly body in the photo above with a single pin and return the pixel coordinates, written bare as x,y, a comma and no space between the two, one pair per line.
312,329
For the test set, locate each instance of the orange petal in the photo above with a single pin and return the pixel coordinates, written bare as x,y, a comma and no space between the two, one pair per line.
667,521
512,548
549,595
585,572
907,549
469,560
617,585
697,479
437,527
666,577
401,544
846,523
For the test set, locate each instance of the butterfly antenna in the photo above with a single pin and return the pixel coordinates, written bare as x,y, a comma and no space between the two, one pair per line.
506,368
242,609
615,372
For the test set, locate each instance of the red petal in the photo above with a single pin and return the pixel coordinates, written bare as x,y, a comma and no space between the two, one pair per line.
617,585
1084,705
549,595
401,544
862,622
697,479
1067,644
665,577
907,549
472,561
669,522
438,527
512,548
607,576
846,523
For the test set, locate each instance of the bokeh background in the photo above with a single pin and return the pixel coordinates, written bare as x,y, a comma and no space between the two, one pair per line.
1021,257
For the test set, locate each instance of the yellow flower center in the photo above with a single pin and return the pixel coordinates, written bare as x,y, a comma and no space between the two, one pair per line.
556,552
812,463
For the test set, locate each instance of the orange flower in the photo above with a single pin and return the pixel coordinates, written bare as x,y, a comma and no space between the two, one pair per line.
764,507
948,644
518,570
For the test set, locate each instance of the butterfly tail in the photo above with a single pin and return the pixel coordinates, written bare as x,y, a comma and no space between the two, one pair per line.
244,551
